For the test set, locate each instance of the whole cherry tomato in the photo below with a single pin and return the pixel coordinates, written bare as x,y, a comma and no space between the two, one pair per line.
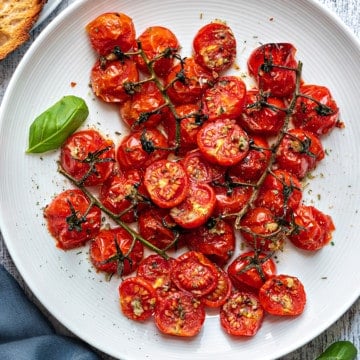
225,99
315,109
115,251
110,30
215,239
88,157
113,81
223,142
141,148
313,229
187,81
242,314
166,182
138,298
159,45
299,152
283,295
179,313
273,67
251,269
215,46
71,219
261,230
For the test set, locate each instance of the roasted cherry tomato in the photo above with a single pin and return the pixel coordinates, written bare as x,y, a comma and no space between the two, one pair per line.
225,99
114,251
223,142
281,192
263,115
215,46
199,169
283,295
110,30
124,194
197,206
159,45
261,230
187,81
71,219
167,183
112,81
273,67
252,269
253,165
156,270
312,228
141,148
221,293
179,314
299,152
158,227
242,314
215,239
145,108
88,157
315,109
193,272
137,298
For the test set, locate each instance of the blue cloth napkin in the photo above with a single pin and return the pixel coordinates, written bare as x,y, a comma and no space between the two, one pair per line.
25,334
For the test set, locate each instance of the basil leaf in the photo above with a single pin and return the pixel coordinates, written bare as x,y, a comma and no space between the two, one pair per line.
340,350
51,128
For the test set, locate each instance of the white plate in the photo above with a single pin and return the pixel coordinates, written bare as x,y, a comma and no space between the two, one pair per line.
65,283
48,8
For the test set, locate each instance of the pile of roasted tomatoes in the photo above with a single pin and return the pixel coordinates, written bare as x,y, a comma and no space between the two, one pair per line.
207,159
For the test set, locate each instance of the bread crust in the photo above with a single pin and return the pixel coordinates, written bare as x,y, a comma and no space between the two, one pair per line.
17,17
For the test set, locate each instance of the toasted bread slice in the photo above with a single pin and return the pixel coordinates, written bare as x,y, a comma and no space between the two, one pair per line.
16,20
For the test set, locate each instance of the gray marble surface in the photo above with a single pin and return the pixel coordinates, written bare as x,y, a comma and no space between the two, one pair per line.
346,328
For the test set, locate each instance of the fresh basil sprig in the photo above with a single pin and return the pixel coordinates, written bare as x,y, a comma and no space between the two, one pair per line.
51,128
339,350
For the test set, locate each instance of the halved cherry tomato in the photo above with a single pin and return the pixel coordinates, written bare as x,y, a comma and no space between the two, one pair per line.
159,45
313,229
315,109
283,295
299,152
110,30
273,66
115,251
223,142
141,148
145,107
166,182
179,314
252,269
281,192
138,298
156,226
261,230
194,273
71,219
112,81
253,165
263,115
187,81
215,239
215,46
197,206
88,157
221,293
225,99
242,314
124,194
